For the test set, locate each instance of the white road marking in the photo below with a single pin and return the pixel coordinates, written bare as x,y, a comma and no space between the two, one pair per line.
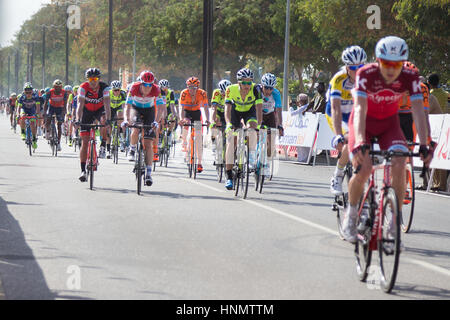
420,263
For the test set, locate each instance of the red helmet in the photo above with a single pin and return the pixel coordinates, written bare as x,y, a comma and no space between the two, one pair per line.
147,76
193,82
410,65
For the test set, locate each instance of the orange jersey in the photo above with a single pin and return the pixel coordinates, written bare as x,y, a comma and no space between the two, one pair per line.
405,102
200,100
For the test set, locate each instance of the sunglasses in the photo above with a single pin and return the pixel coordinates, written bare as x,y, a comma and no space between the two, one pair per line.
93,78
115,90
246,83
28,91
354,68
391,64
268,88
192,87
148,85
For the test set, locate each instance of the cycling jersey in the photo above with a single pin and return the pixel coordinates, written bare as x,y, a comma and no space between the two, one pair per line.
56,100
117,101
93,99
233,97
383,99
270,103
200,100
169,98
29,106
340,88
405,102
218,100
137,99
12,102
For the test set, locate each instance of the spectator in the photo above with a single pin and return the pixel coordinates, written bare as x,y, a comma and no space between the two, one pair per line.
439,92
318,102
441,96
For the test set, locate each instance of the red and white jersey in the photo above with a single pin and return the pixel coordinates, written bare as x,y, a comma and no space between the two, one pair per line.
383,99
93,99
136,97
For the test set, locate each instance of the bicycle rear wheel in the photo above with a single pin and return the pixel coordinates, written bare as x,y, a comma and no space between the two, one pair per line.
406,216
389,244
29,140
138,169
363,252
245,174
342,200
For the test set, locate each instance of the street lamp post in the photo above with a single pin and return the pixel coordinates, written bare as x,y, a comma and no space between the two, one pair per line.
110,49
286,58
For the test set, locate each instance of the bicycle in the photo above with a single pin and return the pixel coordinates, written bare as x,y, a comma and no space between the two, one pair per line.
139,163
241,167
341,201
261,159
53,139
381,230
76,140
92,161
115,141
28,133
164,150
191,154
219,160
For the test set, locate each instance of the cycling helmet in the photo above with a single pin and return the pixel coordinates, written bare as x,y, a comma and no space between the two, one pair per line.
138,79
163,83
93,72
244,73
410,65
392,48
57,82
223,84
27,86
269,80
13,95
193,82
47,90
354,55
116,84
147,76
75,89
68,88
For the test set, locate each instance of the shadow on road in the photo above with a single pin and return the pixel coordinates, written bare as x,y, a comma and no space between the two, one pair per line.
22,278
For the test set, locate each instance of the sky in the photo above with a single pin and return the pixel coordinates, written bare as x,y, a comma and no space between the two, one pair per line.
13,13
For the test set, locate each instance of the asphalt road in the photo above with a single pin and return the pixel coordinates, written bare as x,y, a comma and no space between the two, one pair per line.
186,239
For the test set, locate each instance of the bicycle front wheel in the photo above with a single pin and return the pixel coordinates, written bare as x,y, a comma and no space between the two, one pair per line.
406,216
91,164
245,174
389,241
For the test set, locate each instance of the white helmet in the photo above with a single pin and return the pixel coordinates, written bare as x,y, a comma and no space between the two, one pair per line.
392,48
223,84
354,55
163,83
244,73
269,80
116,84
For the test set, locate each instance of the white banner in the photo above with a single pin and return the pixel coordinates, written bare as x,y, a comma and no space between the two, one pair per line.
325,134
436,122
441,159
299,130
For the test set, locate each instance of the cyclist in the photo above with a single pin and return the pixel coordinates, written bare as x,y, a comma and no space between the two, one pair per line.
339,106
272,111
405,115
118,98
12,108
71,111
218,106
141,103
55,103
28,105
93,105
243,102
378,89
171,113
191,100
